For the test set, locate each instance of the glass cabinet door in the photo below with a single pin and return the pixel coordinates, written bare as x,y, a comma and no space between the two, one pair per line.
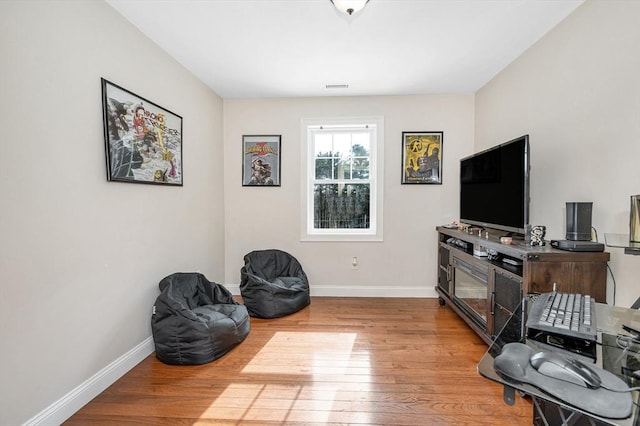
470,289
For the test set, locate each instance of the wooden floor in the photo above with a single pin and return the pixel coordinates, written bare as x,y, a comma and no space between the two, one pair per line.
361,361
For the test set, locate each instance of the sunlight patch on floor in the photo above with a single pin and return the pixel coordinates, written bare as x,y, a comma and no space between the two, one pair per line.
304,353
271,403
291,353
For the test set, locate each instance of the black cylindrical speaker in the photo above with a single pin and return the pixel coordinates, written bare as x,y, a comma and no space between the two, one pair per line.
579,221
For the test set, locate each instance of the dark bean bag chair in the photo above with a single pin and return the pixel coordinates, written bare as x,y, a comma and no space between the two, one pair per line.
196,321
273,284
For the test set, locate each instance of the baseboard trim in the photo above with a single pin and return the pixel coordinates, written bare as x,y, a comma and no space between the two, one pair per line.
66,406
370,291
359,291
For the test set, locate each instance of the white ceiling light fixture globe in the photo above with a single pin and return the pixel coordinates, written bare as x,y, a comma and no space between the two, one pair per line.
349,7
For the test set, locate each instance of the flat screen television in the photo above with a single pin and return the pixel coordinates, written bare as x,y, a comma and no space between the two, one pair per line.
494,187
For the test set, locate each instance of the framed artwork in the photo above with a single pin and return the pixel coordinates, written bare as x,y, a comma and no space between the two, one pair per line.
143,141
422,157
261,160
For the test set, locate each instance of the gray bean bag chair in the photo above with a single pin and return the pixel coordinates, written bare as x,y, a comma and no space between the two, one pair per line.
273,284
196,321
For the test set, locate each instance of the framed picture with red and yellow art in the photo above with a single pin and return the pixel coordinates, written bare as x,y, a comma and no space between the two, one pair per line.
143,141
261,160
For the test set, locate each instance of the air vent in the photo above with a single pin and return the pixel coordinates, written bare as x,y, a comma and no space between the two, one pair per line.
337,86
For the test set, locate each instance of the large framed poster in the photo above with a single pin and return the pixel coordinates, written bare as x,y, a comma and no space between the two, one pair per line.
422,157
261,160
143,141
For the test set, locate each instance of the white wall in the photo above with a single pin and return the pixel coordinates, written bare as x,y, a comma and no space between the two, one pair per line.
577,93
404,264
81,257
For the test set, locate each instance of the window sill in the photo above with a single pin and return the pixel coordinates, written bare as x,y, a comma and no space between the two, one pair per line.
342,238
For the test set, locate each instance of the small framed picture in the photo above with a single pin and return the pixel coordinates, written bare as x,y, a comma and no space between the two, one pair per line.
143,141
422,157
261,160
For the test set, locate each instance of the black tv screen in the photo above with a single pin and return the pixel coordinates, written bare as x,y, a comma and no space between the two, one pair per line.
494,187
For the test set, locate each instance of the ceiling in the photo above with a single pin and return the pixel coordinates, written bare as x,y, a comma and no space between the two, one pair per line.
295,48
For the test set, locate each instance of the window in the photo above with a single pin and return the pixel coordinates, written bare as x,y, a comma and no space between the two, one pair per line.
341,194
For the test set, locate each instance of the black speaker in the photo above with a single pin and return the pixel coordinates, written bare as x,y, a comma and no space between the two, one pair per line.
579,221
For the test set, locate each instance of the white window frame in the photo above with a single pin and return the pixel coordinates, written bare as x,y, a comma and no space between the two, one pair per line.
376,173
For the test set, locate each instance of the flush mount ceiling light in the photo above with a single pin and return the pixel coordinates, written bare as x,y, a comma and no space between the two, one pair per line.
349,6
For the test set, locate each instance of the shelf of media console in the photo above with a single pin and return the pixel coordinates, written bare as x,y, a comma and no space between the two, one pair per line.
503,262
517,251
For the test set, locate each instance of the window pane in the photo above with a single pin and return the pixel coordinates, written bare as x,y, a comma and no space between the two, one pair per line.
360,168
323,169
322,143
342,168
341,144
341,206
360,144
